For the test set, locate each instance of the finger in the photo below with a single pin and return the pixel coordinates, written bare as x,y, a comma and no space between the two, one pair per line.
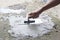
33,17
30,17
31,14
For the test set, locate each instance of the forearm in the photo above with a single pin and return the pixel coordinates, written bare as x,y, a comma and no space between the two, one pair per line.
50,5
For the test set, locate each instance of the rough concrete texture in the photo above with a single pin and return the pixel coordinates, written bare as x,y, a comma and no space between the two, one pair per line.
30,6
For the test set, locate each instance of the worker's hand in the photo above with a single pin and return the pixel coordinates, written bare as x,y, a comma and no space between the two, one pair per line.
34,15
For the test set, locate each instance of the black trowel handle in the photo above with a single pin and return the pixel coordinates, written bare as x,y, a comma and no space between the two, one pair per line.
29,21
29,18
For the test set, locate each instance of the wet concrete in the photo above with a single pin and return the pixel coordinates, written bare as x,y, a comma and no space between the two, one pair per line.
54,35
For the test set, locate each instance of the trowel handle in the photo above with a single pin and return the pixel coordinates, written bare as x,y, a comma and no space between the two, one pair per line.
29,18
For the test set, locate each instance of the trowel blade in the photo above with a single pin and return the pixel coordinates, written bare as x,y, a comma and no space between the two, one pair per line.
34,21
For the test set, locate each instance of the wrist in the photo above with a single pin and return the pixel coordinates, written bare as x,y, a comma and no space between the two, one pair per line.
39,12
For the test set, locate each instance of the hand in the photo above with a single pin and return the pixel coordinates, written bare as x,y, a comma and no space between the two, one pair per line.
34,15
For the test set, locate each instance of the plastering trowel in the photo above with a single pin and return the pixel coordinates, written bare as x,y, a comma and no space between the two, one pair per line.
29,21
33,21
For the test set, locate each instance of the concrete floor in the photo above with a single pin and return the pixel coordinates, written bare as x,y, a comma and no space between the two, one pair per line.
54,13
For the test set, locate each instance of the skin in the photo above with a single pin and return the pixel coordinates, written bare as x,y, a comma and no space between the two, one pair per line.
51,4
